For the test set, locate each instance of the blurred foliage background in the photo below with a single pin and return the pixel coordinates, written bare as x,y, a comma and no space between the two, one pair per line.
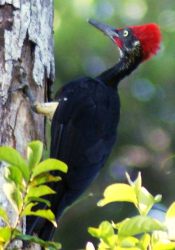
146,134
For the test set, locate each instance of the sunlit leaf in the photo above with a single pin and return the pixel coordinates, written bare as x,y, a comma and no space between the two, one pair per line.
49,165
118,193
5,234
12,173
44,178
171,211
129,242
34,153
4,215
13,195
164,246
104,231
138,225
38,200
145,200
39,191
44,213
145,241
12,157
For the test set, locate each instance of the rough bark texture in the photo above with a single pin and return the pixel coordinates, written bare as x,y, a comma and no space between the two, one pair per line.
26,40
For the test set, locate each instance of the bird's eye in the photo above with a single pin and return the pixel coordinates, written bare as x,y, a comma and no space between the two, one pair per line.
125,33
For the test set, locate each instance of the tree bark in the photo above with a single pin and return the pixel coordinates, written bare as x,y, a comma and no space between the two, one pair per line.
26,41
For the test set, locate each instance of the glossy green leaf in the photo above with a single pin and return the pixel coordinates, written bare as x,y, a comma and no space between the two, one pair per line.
49,165
145,241
5,234
38,200
118,193
104,231
39,191
12,157
171,211
34,153
13,195
35,239
164,246
44,213
129,242
145,200
4,216
13,174
44,178
138,225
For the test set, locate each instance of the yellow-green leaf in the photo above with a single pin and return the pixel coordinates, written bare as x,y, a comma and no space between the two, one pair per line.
12,157
138,225
13,195
49,165
5,234
171,211
4,216
39,191
34,153
118,193
44,213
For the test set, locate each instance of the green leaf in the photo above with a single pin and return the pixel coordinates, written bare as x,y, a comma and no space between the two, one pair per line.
34,153
118,192
13,174
145,241
104,231
44,213
49,165
12,157
171,211
38,200
4,216
39,191
164,246
13,195
35,239
5,234
138,225
145,200
129,242
44,178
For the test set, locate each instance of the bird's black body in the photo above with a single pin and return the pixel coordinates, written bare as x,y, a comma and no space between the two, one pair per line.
88,120
84,126
83,133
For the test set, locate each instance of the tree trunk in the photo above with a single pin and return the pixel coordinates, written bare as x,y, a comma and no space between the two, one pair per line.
26,42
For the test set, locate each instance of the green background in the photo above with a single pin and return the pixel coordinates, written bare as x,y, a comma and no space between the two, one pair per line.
147,126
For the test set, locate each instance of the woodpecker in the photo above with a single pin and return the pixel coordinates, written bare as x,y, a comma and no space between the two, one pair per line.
84,125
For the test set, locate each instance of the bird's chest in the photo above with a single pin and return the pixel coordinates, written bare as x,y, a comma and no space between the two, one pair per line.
97,111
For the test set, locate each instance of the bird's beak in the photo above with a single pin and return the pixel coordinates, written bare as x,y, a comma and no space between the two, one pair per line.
106,29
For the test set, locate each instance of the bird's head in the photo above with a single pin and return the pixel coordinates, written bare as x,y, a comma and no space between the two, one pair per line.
141,41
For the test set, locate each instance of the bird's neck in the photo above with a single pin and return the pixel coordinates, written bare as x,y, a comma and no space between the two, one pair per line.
124,67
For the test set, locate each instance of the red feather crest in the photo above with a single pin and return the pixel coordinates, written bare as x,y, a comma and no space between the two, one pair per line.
150,37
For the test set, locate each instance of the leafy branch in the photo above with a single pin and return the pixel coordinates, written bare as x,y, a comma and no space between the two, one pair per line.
25,186
141,232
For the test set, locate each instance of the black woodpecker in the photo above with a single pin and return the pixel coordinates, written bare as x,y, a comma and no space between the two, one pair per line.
84,124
